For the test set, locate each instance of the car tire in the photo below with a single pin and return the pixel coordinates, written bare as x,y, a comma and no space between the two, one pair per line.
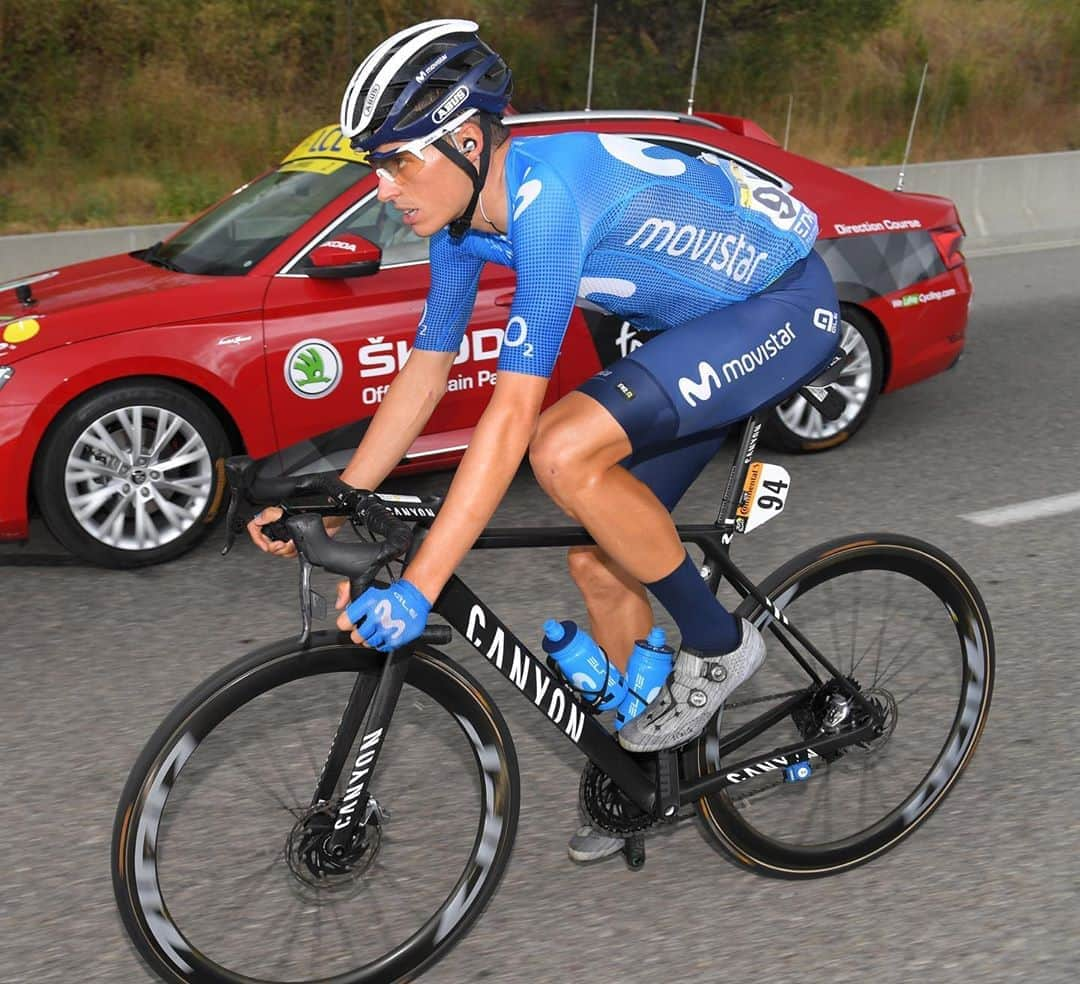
796,426
131,474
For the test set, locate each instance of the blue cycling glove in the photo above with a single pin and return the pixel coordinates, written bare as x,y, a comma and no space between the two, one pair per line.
389,618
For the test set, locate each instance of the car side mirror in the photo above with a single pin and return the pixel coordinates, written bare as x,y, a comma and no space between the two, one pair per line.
343,256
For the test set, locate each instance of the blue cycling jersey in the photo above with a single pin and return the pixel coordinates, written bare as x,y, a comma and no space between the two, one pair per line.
641,231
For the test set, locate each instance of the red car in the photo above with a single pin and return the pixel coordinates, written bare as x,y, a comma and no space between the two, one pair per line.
125,380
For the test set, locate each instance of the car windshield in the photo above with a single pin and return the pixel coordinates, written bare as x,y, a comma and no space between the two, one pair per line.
231,238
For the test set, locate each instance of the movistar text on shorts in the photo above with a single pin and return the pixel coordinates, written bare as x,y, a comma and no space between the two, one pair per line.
700,389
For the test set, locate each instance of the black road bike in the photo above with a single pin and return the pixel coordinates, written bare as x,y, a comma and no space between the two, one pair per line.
321,811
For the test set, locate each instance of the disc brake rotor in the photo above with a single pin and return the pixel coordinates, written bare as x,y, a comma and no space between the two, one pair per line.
320,874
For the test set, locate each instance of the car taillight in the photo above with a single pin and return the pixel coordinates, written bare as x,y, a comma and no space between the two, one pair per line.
948,240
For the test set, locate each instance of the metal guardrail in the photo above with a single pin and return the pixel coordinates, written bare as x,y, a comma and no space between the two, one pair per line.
1004,202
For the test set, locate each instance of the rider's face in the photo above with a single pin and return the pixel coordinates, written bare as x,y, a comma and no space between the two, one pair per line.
430,191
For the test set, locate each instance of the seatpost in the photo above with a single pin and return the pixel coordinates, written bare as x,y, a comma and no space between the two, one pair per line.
725,519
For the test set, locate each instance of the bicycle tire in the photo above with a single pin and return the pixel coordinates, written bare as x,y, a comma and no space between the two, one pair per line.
284,684
768,828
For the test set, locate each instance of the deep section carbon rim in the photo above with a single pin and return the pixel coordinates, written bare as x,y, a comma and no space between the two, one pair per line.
215,828
902,621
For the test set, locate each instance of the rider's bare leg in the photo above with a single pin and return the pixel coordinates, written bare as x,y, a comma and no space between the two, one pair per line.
575,456
619,610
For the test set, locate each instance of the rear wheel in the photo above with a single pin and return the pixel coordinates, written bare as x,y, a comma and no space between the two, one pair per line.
903,622
219,867
130,475
796,426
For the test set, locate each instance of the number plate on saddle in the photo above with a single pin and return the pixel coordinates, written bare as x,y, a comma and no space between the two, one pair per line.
763,495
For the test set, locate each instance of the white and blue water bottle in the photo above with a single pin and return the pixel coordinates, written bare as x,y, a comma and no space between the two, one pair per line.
650,664
584,664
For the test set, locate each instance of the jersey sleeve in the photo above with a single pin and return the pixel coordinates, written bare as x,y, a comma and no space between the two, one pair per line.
546,234
455,275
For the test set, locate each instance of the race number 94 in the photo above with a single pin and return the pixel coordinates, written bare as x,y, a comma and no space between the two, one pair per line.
763,495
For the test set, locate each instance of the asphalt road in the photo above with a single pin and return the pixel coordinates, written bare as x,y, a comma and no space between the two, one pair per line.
986,891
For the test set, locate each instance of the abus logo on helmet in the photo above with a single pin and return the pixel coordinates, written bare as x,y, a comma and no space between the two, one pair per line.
455,99
372,97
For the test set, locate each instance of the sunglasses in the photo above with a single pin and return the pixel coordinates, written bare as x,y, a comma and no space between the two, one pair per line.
402,163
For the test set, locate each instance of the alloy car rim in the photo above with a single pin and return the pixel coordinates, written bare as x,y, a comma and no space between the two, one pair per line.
854,386
138,477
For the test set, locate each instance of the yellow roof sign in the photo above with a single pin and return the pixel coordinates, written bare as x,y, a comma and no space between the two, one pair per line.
326,143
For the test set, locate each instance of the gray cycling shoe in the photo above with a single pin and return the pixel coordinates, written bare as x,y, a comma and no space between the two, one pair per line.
593,844
694,692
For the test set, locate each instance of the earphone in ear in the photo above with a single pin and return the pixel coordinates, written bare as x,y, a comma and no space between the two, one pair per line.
470,145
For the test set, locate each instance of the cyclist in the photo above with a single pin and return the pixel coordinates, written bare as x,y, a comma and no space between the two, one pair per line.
718,260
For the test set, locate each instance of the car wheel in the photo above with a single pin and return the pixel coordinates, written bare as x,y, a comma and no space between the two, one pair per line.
796,426
130,475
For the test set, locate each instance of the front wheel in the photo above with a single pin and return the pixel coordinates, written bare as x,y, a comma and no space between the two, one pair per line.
903,622
217,867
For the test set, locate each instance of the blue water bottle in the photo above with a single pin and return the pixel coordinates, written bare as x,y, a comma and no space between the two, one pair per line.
649,666
584,664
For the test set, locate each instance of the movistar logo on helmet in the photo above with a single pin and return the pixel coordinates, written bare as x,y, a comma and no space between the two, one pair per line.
455,99
424,73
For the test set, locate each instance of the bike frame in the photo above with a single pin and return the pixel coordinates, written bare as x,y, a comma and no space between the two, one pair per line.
651,781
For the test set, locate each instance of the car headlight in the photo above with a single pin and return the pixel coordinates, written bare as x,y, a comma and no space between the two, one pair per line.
6,372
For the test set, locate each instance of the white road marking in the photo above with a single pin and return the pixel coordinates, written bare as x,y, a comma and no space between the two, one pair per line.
1053,505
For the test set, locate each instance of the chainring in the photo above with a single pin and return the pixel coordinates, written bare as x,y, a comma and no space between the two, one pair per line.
607,806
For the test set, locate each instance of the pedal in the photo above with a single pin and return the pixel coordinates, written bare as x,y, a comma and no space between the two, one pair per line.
797,772
634,851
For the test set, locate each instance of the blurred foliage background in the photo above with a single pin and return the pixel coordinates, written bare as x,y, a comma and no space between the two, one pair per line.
127,111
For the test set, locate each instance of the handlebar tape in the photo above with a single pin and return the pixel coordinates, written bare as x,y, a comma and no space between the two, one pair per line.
438,635
269,490
380,521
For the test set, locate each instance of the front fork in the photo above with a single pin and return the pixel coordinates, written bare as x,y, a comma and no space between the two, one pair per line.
370,708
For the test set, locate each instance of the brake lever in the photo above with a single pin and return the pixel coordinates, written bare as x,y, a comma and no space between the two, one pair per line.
238,472
231,528
305,600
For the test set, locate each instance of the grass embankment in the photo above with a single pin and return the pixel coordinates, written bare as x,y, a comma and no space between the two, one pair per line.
159,140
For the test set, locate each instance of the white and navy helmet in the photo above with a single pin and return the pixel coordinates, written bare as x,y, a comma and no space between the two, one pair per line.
381,100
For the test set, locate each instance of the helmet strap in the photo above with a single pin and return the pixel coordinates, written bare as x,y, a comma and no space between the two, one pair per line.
461,225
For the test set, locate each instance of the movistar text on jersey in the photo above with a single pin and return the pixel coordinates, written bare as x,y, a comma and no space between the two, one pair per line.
738,259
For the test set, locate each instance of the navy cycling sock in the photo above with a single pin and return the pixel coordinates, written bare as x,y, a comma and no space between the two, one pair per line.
703,622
